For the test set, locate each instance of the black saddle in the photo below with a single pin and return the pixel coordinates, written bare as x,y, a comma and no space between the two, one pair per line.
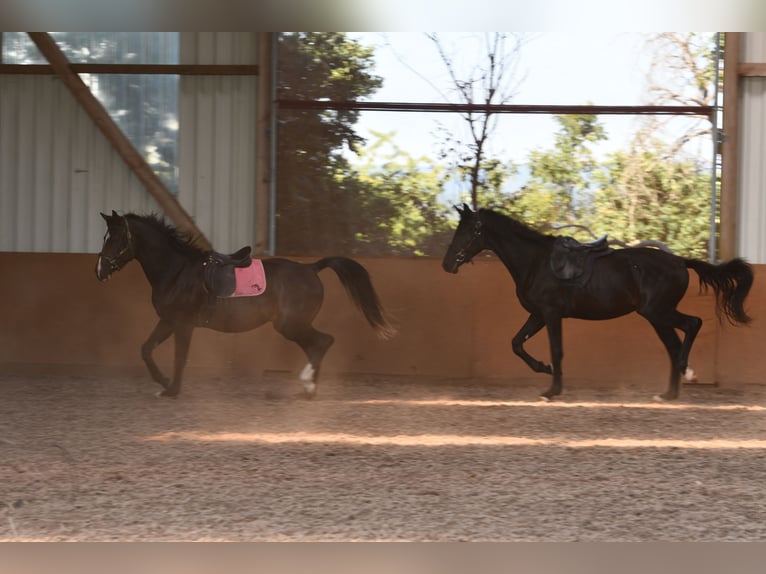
572,261
219,277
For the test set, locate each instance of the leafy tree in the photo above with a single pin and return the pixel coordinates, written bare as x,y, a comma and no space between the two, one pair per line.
656,189
490,79
560,186
683,72
319,207
401,199
646,193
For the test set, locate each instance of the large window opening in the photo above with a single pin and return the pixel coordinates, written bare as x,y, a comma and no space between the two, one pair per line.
371,179
144,106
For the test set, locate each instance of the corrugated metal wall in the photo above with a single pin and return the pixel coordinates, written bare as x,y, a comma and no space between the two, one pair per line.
217,138
57,171
751,192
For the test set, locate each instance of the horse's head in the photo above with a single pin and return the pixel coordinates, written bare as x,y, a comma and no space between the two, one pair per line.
118,247
466,242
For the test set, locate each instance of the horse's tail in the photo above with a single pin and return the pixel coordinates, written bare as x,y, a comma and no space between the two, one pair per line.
356,281
731,282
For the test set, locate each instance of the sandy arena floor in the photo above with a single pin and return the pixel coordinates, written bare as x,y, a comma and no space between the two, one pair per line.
378,458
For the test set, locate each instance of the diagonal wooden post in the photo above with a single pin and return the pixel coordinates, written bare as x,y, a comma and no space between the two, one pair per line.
153,184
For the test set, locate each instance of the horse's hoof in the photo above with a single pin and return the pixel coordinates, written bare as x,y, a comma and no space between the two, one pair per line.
664,397
309,389
543,368
167,393
161,380
545,399
549,394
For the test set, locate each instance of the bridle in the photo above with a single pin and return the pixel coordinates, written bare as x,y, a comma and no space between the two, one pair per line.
460,256
114,263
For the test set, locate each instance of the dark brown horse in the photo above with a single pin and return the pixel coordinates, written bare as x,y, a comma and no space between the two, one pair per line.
596,283
175,269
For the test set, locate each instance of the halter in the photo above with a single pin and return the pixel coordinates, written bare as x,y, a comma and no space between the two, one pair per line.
460,257
113,262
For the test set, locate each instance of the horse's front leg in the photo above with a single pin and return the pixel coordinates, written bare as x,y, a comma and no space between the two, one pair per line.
182,335
557,354
161,332
529,329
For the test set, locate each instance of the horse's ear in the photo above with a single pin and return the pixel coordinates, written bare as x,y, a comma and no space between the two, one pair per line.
115,214
465,210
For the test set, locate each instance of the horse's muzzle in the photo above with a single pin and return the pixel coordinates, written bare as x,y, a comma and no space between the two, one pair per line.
451,267
103,269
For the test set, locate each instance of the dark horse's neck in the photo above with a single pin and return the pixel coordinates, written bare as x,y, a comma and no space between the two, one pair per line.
163,253
519,247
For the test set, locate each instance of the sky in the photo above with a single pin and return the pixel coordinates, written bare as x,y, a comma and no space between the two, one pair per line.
607,68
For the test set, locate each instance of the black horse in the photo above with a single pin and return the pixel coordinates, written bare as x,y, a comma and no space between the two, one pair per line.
175,269
601,284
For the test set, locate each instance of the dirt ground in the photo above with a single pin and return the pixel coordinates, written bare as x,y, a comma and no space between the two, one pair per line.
378,458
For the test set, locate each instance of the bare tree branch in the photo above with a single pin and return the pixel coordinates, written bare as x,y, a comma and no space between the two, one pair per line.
490,80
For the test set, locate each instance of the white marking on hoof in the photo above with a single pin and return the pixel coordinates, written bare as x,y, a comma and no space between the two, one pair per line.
310,387
690,375
307,374
544,399
658,398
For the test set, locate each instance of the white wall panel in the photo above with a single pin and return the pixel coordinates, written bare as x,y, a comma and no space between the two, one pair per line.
58,171
217,138
751,192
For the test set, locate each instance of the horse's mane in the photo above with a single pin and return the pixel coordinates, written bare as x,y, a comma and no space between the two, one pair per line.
506,226
182,242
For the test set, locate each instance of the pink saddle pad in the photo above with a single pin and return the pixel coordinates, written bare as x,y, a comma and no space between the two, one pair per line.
251,281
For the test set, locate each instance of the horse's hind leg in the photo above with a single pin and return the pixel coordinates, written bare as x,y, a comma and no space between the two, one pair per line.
315,344
672,343
557,355
678,351
690,325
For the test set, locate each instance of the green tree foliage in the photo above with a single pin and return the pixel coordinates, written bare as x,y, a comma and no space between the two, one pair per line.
486,180
391,203
560,186
646,194
401,202
492,78
319,206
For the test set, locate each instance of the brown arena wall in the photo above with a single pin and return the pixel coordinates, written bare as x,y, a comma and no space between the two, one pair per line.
56,315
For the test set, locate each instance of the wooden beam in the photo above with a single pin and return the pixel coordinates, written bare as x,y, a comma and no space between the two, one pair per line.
751,70
729,146
167,69
263,147
167,202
